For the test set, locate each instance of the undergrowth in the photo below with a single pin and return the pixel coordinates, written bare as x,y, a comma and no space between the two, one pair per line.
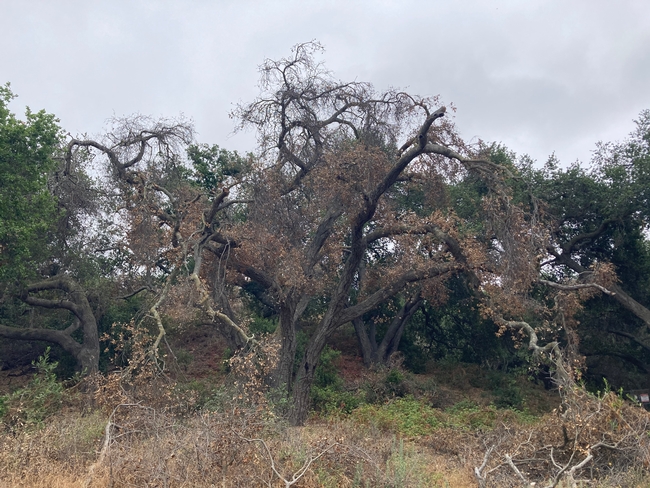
31,405
138,427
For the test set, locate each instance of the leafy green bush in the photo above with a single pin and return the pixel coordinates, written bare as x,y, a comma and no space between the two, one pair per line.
331,401
262,326
40,398
507,393
406,416
328,395
396,383
327,374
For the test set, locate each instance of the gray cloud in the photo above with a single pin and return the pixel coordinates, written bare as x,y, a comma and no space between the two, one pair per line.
540,75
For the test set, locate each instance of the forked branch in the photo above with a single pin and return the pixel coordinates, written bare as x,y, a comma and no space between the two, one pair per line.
295,477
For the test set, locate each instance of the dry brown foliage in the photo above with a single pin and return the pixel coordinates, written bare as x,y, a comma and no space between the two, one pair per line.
234,448
588,438
141,431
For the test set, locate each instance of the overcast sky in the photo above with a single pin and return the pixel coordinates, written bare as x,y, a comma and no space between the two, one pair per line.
541,76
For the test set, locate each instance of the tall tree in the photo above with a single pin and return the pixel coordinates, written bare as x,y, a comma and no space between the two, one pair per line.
324,223
315,226
27,208
34,209
600,214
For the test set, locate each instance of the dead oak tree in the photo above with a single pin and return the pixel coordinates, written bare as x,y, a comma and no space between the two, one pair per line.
325,205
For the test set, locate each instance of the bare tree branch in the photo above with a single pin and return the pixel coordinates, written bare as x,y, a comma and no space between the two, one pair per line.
578,286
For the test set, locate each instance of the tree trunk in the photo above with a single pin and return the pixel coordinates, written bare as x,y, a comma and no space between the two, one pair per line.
85,353
305,379
287,330
632,305
374,354
60,337
390,342
88,358
290,310
367,344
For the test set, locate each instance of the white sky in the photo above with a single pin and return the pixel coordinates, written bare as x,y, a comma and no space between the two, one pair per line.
537,75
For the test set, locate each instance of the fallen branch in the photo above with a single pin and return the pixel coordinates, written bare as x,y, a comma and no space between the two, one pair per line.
298,474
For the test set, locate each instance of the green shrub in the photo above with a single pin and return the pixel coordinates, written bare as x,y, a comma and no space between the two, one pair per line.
262,326
327,375
330,401
327,394
39,399
396,383
507,393
406,416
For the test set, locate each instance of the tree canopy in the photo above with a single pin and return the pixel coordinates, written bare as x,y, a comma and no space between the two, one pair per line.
27,157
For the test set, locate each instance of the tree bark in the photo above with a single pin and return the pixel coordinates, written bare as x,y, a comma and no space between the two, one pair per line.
378,354
368,346
60,337
287,330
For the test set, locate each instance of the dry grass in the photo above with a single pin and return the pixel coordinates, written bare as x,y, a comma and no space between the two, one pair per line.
150,448
142,431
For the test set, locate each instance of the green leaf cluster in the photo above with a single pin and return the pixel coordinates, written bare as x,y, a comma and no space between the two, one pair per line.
39,399
213,164
27,208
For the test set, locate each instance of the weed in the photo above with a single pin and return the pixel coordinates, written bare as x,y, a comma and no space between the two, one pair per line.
278,401
225,362
406,416
469,415
407,467
40,398
183,357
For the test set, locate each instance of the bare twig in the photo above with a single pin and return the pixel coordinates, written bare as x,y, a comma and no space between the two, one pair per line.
478,471
298,474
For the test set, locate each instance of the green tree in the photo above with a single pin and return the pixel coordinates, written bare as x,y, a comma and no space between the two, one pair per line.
27,208
600,214
34,238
